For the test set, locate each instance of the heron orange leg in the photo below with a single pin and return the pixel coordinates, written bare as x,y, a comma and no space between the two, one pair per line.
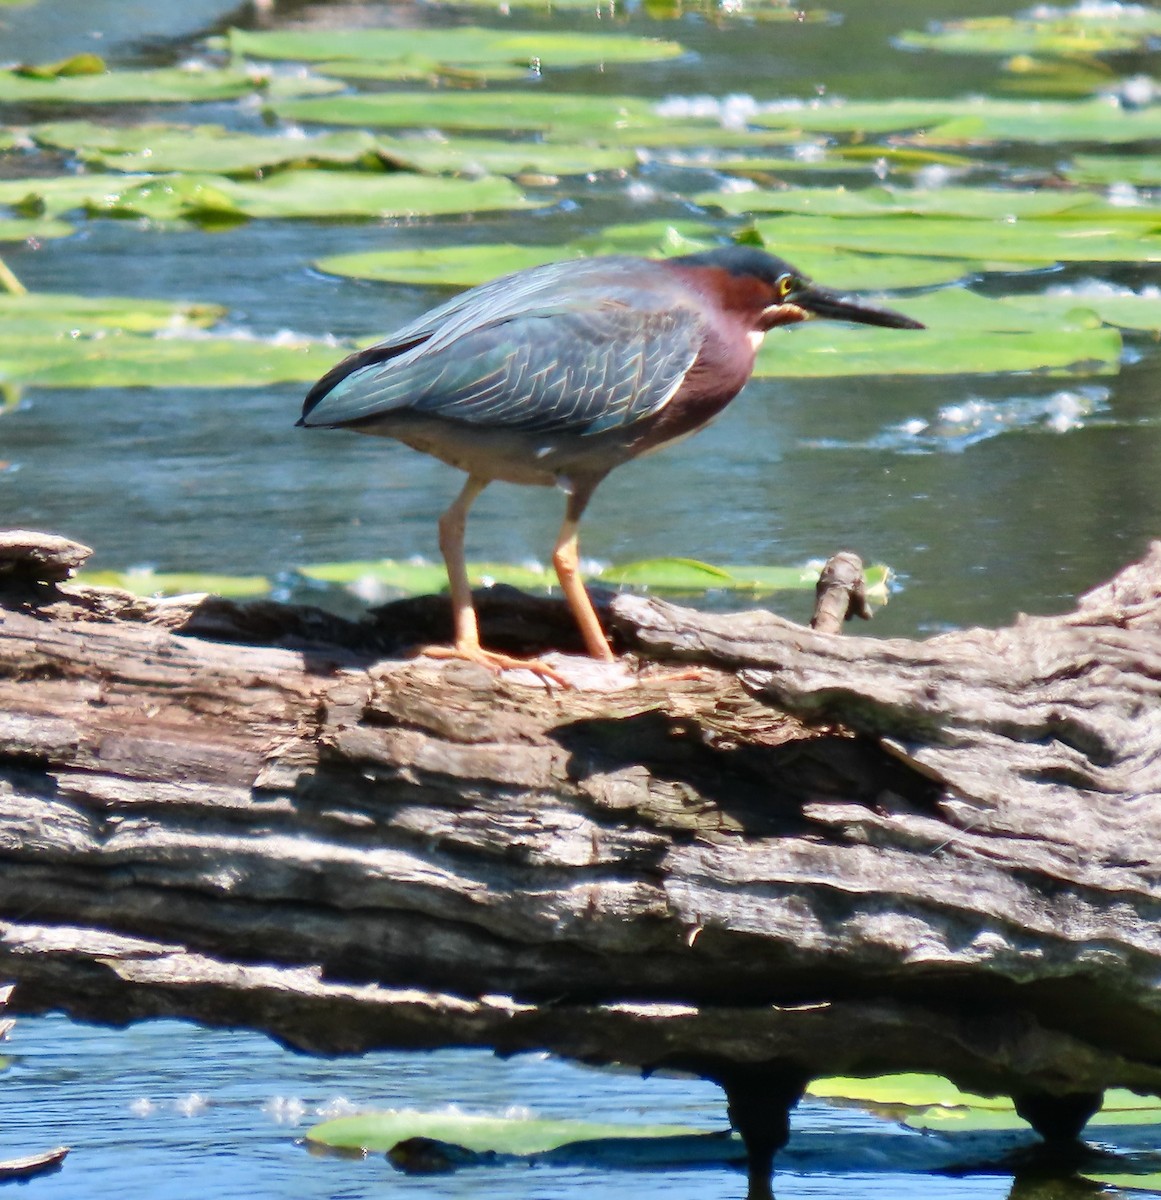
566,560
452,527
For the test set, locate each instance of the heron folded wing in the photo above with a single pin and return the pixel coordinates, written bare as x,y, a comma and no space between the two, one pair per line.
583,370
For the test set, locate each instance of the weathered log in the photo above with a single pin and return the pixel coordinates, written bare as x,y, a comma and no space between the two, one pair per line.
816,855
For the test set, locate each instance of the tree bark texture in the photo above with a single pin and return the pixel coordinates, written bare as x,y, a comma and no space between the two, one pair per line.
808,855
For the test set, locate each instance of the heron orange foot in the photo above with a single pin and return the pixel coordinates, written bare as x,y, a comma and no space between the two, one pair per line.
497,662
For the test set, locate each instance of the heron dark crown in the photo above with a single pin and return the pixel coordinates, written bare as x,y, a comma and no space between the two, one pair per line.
742,261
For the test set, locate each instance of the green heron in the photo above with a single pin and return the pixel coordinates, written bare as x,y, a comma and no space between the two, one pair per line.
557,374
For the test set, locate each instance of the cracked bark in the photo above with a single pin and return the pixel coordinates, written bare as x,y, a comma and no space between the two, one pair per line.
833,855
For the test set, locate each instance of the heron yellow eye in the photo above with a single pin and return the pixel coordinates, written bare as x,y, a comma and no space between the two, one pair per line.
784,286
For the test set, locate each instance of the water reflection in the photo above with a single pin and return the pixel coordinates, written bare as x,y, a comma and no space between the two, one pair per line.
171,1111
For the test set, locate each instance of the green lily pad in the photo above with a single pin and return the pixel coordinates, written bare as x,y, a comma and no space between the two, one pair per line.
343,194
129,360
930,1102
420,70
966,334
820,157
162,583
906,1090
1139,170
683,575
440,266
291,193
77,64
972,119
1097,29
462,46
421,578
378,1132
969,203
1120,307
1034,243
212,149
1145,1182
1055,76
812,352
566,115
19,229
858,272
163,85
51,313
474,156
975,1120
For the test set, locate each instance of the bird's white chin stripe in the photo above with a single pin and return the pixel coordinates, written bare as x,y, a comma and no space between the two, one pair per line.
755,337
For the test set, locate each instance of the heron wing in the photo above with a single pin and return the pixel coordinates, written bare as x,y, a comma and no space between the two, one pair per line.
576,347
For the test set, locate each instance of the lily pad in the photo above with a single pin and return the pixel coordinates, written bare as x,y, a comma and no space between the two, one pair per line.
1033,243
343,194
816,156
681,575
49,313
163,85
1139,170
461,46
162,583
1083,30
1145,1182
161,148
1055,76
50,196
909,1090
128,360
421,70
812,352
421,578
18,229
966,334
475,156
379,1132
969,203
1120,307
564,114
559,116
212,149
973,119
975,1120
440,266
291,193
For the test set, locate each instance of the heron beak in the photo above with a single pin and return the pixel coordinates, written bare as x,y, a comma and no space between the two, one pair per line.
820,302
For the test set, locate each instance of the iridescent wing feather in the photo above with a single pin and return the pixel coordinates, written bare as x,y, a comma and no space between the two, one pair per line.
575,348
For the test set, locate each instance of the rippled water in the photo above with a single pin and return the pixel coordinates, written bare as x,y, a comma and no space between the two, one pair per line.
170,1111
978,528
